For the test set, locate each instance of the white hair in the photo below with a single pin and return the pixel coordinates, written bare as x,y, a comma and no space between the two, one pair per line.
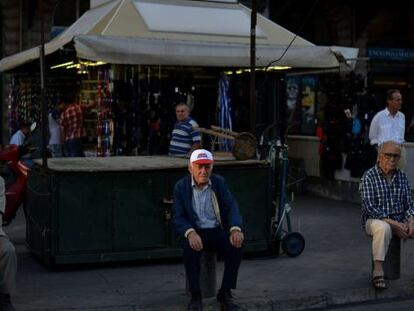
388,143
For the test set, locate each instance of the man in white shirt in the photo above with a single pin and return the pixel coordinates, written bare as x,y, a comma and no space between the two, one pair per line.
389,124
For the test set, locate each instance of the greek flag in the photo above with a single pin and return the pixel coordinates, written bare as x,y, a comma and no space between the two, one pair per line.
224,102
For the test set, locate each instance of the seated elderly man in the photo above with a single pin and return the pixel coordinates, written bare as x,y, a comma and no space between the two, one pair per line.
206,216
387,206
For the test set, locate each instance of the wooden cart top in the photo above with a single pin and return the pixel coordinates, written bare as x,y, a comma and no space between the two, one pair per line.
133,163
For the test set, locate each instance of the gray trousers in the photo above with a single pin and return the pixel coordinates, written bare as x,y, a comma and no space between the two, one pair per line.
8,266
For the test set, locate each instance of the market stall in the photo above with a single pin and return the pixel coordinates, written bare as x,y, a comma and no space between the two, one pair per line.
135,59
119,208
128,55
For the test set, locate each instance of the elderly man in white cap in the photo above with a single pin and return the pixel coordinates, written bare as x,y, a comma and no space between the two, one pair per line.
206,216
8,260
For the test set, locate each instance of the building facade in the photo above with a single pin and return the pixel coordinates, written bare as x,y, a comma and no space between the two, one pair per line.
20,25
381,31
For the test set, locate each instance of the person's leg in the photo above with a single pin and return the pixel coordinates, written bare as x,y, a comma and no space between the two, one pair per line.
232,258
55,150
192,267
381,233
78,147
192,270
70,148
381,236
8,268
75,148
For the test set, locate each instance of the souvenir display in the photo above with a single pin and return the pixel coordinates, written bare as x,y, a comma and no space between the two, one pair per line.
104,126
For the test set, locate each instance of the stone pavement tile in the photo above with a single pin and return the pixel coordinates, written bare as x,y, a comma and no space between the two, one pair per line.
334,269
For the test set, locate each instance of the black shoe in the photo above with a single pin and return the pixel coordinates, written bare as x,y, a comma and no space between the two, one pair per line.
226,300
195,304
5,303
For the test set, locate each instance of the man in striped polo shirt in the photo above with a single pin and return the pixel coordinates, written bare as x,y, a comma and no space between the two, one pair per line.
184,139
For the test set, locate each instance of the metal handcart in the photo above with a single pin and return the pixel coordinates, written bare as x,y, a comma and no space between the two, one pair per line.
291,242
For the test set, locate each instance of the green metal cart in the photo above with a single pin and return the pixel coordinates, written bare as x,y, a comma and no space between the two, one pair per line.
85,210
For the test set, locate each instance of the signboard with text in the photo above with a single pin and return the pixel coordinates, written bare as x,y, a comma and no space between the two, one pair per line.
391,54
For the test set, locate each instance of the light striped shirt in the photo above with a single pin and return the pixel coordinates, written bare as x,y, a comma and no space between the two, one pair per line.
184,137
386,127
203,206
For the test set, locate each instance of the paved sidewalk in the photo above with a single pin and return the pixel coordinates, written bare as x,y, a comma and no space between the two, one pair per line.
333,270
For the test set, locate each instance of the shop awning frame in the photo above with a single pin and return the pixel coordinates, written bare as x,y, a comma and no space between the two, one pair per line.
116,32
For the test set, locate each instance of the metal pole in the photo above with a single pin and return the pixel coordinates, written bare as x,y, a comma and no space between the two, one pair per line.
43,106
253,67
77,9
20,25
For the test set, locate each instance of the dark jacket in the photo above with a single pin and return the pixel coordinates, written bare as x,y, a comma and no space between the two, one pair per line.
184,217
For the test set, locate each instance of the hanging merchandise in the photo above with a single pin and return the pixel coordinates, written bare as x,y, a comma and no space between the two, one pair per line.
104,127
12,106
22,102
294,114
224,102
190,99
308,104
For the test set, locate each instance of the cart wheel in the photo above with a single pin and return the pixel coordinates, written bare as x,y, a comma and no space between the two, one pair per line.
293,244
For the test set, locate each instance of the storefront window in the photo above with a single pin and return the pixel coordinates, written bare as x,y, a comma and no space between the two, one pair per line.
301,104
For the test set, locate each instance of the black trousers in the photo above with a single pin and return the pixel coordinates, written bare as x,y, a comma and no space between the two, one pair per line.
213,240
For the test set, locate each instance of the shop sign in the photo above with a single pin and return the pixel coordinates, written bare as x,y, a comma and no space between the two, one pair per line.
391,54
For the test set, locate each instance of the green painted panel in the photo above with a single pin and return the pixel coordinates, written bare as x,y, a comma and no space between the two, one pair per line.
76,217
39,224
250,187
84,212
139,220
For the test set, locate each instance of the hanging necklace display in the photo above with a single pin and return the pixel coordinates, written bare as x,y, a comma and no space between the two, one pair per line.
104,127
12,105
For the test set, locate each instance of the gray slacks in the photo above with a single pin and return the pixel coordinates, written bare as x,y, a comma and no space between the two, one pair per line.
8,266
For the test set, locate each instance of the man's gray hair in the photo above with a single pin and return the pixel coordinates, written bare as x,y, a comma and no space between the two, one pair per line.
387,143
183,104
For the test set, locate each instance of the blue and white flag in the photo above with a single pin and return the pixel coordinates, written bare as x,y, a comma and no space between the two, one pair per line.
224,102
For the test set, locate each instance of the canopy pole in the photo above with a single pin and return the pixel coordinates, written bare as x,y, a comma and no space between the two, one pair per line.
43,106
253,67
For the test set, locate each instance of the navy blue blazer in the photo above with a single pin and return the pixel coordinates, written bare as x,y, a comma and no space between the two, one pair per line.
184,216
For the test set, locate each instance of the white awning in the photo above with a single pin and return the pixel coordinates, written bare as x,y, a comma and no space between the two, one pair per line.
124,50
183,32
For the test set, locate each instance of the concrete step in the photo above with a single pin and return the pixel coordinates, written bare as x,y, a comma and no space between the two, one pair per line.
346,191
